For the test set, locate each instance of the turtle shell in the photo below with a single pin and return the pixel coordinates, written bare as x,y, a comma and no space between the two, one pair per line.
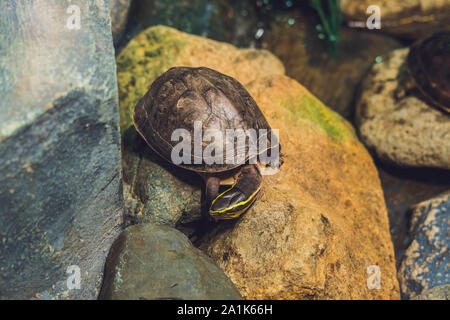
181,96
429,64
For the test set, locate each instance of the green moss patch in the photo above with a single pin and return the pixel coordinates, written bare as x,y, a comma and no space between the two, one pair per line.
309,108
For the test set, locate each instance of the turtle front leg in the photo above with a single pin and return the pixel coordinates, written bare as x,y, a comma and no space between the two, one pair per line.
236,200
212,184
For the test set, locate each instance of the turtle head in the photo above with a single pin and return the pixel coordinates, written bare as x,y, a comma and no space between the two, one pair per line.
236,200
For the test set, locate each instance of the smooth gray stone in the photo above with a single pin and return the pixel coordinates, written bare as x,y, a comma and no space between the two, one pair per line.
60,180
148,261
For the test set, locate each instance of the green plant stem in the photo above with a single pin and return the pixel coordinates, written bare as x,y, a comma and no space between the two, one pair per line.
331,23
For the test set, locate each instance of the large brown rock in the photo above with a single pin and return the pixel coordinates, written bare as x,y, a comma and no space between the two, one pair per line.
411,19
321,221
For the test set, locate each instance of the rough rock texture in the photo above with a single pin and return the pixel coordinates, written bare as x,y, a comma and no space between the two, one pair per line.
153,190
407,131
411,19
306,59
119,10
321,221
157,262
426,263
436,293
156,190
60,195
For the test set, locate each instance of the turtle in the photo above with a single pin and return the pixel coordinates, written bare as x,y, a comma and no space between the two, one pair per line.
189,100
428,63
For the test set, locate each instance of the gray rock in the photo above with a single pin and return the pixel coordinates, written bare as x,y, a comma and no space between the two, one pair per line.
148,261
154,190
119,10
60,180
426,263
407,131
437,293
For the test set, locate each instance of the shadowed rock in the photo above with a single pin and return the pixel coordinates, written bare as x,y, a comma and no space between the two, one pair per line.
119,10
60,190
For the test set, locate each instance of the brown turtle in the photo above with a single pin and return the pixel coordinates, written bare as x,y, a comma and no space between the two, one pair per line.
428,63
183,103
